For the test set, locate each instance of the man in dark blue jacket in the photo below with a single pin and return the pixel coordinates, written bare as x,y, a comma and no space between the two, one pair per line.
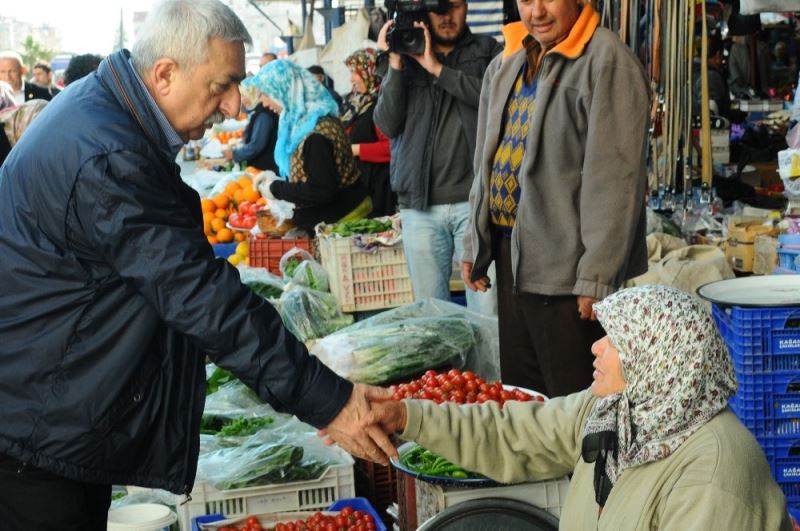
113,298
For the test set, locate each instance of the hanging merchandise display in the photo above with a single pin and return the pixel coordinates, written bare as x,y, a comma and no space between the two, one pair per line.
752,7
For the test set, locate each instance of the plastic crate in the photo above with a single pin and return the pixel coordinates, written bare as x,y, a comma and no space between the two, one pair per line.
224,250
359,504
267,252
761,339
314,495
789,259
364,281
377,483
786,472
548,495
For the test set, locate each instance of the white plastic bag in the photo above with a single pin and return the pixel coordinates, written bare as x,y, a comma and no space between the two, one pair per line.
308,272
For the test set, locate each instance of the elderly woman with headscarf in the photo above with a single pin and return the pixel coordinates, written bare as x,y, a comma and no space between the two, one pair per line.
652,443
369,143
312,150
260,134
14,119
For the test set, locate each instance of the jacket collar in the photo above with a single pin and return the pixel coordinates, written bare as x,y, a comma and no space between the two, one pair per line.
571,47
117,73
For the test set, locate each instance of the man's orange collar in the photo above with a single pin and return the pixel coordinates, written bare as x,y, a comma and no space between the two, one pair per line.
571,47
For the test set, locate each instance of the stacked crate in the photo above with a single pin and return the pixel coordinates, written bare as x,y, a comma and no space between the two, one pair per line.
764,344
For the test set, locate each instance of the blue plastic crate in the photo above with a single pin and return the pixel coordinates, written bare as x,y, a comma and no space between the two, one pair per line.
224,250
763,424
768,404
359,504
761,339
794,512
786,472
789,259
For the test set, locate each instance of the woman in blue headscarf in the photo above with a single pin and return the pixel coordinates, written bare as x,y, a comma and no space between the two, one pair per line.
312,151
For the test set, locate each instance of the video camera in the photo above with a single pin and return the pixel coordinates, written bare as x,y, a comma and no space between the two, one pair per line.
404,37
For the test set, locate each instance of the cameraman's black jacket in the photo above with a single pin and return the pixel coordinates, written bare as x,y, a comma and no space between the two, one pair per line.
408,105
112,299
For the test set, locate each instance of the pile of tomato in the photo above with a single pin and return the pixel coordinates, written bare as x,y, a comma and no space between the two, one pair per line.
245,216
459,387
348,519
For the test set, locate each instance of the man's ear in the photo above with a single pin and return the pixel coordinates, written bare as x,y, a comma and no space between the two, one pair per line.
163,75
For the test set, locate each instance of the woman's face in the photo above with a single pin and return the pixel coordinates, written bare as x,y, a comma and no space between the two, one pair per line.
608,378
270,104
358,83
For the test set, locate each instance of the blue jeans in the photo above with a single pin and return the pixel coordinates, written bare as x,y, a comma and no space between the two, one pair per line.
433,240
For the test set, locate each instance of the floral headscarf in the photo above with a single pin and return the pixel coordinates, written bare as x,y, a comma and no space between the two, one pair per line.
362,62
677,371
16,119
304,100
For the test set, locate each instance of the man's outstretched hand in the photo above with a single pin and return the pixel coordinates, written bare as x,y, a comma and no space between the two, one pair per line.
355,429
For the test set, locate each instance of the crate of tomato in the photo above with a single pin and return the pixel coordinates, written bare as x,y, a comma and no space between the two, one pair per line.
349,514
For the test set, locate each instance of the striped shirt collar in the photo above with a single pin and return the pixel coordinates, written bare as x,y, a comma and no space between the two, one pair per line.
173,138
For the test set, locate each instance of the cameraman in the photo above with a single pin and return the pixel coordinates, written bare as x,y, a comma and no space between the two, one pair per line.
428,107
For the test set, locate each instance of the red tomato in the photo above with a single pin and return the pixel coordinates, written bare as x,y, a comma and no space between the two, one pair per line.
234,219
366,517
458,381
482,397
469,375
453,373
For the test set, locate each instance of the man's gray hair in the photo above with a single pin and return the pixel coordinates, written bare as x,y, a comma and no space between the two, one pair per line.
10,54
182,30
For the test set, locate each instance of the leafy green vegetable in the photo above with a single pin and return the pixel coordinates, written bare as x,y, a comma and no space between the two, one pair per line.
240,427
266,291
291,266
361,226
118,495
388,352
311,314
218,378
244,426
279,463
423,461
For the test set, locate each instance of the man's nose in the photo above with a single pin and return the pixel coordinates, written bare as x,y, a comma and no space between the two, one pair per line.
231,103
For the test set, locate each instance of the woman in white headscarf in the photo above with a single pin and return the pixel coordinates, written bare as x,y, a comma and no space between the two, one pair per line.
652,443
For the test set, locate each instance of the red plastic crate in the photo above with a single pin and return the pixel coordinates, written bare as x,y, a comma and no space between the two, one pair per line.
378,484
267,252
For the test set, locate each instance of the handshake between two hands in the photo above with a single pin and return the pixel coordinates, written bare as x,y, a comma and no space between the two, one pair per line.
363,426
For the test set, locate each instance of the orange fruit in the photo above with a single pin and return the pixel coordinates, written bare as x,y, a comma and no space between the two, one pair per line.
261,201
252,170
221,213
251,195
212,240
208,216
238,195
208,205
239,236
217,224
221,200
231,187
225,235
245,182
206,227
